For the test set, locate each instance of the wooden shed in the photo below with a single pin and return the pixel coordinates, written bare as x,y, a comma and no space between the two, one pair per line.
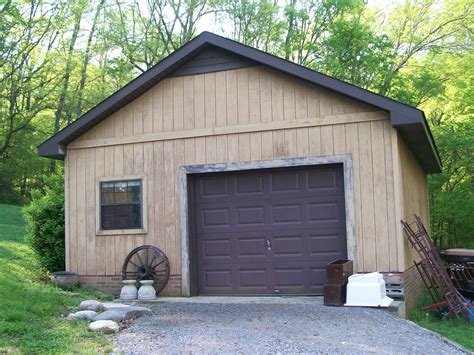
250,172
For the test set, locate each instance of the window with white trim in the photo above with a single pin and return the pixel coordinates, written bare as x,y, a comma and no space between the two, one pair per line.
121,204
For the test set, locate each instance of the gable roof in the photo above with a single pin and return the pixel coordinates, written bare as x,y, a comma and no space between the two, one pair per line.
409,121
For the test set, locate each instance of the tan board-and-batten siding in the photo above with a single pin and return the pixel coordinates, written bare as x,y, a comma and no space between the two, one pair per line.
415,195
237,115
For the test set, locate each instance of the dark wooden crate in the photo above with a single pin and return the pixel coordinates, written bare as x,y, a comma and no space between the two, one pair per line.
334,295
338,271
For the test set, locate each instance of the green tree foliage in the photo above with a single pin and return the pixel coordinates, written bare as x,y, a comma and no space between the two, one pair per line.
45,223
354,52
452,191
254,23
26,84
59,59
451,113
308,25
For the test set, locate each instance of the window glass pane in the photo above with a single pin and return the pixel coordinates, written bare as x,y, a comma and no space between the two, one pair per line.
128,216
120,192
121,217
120,186
107,193
108,217
134,189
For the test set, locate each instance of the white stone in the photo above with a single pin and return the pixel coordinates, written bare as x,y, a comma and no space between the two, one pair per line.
146,291
104,326
89,315
91,305
129,290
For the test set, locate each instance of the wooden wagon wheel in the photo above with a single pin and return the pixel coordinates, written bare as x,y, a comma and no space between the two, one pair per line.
147,263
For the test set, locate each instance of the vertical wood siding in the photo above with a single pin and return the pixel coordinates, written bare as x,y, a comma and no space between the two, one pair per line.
415,195
225,99
229,98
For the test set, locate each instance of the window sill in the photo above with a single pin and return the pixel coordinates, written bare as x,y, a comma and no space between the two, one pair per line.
121,232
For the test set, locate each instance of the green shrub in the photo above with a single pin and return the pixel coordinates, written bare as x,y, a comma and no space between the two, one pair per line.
45,223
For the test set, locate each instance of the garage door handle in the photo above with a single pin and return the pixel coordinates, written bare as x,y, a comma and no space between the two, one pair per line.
269,244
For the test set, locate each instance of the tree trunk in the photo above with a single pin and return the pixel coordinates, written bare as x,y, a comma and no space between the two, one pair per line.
289,33
86,60
67,74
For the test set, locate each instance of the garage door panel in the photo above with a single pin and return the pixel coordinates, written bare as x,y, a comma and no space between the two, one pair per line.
325,243
235,279
250,216
320,212
303,276
251,248
284,182
289,277
286,213
233,248
288,246
215,251
253,279
318,276
268,231
215,217
213,186
217,279
294,279
323,179
217,248
251,184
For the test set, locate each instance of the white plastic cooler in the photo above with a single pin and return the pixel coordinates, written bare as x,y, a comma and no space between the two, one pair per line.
367,290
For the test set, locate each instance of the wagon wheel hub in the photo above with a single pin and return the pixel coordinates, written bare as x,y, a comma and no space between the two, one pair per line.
144,272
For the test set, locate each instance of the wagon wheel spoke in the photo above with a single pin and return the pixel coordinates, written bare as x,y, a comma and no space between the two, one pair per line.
153,259
131,262
139,258
162,267
160,271
161,262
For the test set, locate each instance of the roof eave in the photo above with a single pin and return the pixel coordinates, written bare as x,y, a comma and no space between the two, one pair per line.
51,149
416,134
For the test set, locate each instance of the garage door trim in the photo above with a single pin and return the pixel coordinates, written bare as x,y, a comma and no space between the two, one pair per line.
185,171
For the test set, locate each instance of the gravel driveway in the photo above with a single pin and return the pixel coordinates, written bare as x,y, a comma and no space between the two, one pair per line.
307,327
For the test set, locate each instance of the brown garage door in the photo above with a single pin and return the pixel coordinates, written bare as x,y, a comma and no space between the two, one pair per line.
267,231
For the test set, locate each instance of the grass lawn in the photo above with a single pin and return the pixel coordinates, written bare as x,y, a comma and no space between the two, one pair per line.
460,332
31,310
